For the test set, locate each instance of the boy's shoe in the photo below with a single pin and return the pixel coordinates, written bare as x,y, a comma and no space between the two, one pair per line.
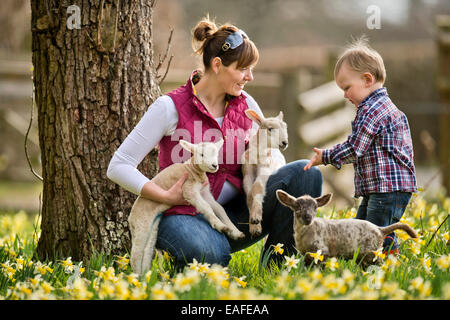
392,251
390,246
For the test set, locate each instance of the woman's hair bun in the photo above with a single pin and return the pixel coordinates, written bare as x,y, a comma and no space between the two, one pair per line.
204,29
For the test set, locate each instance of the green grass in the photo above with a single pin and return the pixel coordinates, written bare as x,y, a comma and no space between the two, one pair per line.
421,271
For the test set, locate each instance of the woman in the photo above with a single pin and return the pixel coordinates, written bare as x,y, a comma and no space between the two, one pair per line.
212,100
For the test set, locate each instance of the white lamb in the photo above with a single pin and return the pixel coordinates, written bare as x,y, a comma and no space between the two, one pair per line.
145,214
258,163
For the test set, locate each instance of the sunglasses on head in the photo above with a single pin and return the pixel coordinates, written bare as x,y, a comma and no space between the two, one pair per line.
234,40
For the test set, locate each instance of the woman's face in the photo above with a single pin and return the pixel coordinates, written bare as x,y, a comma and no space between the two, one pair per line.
233,79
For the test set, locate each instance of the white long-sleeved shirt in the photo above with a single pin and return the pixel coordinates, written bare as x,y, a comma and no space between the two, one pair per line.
160,120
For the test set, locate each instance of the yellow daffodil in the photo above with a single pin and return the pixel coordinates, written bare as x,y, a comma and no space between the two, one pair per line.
80,290
283,281
317,256
107,290
225,284
184,281
443,262
304,285
123,261
46,287
378,254
278,248
348,276
415,247
315,275
332,264
218,275
203,267
241,281
122,291
165,275
426,262
194,265
421,286
133,279
68,265
162,292
391,262
291,262
8,269
446,236
166,256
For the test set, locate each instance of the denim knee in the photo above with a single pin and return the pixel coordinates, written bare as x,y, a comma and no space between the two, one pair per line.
191,237
211,252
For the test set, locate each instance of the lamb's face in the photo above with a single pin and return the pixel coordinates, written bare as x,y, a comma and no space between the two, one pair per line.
304,207
205,154
274,131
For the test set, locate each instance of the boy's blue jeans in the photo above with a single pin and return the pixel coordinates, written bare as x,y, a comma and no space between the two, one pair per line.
187,237
384,209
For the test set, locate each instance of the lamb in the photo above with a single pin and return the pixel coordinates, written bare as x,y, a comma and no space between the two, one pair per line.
334,237
258,164
144,216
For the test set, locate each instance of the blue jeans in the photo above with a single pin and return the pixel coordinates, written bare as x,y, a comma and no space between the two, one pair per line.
384,209
187,237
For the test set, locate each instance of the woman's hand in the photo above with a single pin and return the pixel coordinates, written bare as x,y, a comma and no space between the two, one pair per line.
174,196
315,160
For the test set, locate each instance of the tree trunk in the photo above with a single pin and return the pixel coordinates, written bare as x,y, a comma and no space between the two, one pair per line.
443,82
94,78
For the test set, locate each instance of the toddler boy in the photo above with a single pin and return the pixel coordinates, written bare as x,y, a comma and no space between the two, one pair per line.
380,145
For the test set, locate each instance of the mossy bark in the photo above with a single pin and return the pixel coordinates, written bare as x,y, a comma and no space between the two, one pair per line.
92,84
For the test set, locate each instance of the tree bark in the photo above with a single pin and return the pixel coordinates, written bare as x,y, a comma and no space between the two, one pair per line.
93,82
443,82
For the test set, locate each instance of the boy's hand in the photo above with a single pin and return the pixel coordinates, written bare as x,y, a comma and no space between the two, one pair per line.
315,160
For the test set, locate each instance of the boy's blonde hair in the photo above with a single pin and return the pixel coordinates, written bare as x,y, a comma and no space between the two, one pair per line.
362,58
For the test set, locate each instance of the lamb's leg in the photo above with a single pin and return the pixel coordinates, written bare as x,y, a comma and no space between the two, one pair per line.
257,193
139,236
249,176
193,196
140,221
219,211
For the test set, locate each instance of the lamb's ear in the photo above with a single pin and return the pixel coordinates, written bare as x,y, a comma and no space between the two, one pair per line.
187,145
254,116
280,115
219,144
323,200
286,199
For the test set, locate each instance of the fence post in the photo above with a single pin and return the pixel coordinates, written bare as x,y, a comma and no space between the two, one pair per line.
290,84
443,83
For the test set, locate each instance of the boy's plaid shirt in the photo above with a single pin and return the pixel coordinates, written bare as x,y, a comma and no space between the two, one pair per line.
380,148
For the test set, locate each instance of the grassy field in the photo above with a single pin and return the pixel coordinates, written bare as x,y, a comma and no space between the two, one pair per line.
421,271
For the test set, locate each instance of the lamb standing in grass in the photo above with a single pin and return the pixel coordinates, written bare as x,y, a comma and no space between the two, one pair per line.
145,214
258,163
334,237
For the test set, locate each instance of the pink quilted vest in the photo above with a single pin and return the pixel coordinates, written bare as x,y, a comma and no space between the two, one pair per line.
195,124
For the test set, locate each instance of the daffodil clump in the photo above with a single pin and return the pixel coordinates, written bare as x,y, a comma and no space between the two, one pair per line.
419,271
